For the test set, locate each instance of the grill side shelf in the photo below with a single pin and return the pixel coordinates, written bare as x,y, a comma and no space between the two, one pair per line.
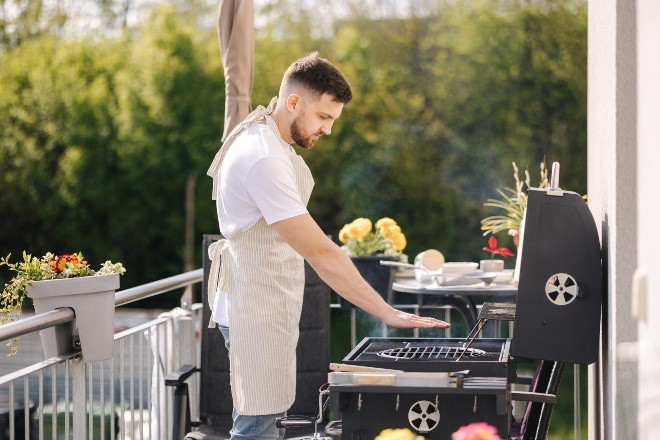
495,389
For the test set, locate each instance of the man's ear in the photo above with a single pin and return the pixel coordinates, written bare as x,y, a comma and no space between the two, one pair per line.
292,102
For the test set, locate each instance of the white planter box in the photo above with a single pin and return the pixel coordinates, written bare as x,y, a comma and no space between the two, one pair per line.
93,301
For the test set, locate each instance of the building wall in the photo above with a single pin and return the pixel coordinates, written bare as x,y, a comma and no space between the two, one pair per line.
648,207
612,169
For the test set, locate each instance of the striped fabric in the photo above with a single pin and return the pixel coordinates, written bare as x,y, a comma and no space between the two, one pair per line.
265,279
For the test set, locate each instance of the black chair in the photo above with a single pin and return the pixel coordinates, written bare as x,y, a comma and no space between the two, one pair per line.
215,405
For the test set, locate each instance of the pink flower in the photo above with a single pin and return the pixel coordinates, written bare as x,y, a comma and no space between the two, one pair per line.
476,431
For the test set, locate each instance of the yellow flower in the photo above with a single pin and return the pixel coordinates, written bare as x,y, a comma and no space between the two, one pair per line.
359,228
398,434
359,239
344,235
389,231
399,241
384,222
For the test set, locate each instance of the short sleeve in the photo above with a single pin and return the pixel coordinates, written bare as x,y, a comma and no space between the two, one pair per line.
271,183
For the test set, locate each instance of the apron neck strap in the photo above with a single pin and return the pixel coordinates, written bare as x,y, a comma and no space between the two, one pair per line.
258,113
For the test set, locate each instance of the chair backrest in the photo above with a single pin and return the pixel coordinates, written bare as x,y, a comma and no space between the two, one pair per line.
536,419
215,404
312,353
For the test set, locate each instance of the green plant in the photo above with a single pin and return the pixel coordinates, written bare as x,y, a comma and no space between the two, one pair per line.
48,267
513,202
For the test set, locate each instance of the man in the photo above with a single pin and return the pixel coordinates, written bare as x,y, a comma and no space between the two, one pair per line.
262,188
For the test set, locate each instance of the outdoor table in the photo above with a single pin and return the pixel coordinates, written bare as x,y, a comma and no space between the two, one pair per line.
461,298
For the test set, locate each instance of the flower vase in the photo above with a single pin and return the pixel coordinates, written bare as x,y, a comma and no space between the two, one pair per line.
92,299
375,274
493,265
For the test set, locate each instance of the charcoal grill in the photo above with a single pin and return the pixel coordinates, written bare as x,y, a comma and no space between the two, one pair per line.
556,318
485,357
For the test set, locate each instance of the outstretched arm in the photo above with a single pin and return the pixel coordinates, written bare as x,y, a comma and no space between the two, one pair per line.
335,268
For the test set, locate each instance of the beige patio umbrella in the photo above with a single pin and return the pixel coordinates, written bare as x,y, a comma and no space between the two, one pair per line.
236,35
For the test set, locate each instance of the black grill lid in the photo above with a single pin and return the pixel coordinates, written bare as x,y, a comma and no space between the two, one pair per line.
558,306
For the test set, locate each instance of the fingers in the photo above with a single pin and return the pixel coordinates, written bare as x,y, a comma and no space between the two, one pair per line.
409,320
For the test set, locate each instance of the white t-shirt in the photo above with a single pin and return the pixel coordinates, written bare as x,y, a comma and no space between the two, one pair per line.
257,180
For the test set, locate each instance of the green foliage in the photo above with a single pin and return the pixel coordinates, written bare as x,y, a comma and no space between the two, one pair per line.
99,138
101,135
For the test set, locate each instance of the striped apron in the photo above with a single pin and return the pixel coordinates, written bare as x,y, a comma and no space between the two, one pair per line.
264,278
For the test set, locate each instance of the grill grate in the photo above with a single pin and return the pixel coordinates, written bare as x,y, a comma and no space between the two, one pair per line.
431,352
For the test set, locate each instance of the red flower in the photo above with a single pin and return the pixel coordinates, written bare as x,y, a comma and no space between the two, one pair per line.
494,250
60,263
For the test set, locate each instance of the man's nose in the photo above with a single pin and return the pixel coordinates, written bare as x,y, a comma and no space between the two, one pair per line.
326,129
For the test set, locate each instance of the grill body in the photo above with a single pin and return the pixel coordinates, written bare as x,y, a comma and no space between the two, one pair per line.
433,412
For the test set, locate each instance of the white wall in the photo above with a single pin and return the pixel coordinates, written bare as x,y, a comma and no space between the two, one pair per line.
612,168
648,207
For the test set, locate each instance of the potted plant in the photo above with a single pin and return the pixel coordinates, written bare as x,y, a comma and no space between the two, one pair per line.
513,202
367,244
494,265
67,280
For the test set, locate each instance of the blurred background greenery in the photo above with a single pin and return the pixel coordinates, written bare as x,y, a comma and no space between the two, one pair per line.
105,131
111,111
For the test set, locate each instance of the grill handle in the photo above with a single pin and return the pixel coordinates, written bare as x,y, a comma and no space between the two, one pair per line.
295,421
553,187
333,428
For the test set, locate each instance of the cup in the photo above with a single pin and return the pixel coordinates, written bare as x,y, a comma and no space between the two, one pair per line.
430,262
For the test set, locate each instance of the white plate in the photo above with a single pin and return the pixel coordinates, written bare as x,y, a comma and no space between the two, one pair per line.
467,279
404,274
459,268
434,286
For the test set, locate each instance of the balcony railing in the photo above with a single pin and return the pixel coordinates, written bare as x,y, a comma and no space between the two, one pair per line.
123,397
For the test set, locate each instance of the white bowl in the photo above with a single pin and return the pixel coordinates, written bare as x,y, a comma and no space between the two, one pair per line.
503,277
459,268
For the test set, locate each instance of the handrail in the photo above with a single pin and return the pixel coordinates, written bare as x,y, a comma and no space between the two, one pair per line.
61,316
35,323
157,287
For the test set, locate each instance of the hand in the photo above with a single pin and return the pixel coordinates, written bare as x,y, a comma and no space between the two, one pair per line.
400,319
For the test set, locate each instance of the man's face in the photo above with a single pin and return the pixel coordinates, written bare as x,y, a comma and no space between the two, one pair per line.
314,120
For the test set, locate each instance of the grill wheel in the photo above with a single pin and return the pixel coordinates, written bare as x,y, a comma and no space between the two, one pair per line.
423,416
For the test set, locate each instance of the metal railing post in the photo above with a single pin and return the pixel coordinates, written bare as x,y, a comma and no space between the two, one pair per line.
79,385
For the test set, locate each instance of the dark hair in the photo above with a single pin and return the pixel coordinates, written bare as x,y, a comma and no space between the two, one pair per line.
318,76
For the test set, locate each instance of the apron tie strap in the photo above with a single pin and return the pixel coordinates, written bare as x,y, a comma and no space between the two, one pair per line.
219,275
257,114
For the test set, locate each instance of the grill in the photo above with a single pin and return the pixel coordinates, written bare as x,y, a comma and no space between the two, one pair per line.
431,352
483,357
436,385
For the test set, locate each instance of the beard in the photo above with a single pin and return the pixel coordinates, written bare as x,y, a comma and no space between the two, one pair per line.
300,136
